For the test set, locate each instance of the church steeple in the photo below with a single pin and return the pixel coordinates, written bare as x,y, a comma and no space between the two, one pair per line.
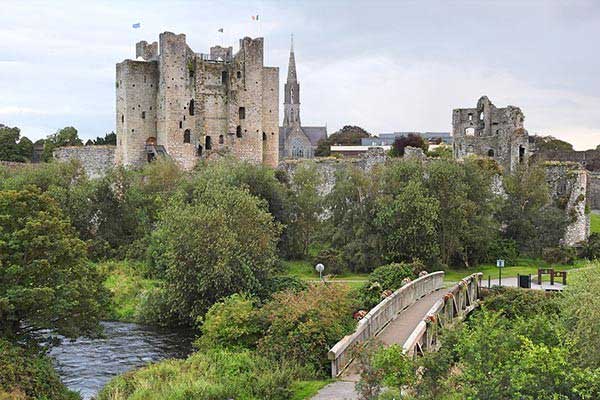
291,92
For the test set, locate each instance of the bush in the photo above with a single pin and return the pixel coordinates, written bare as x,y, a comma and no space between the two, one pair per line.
516,302
332,260
560,255
277,284
386,277
504,249
213,374
305,325
232,322
25,374
591,248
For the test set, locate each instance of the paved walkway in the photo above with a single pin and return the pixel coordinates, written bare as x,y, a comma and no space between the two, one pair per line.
396,332
511,281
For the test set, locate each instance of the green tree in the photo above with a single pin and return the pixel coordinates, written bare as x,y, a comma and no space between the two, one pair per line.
67,136
219,242
407,222
108,139
347,136
411,140
45,279
13,149
528,215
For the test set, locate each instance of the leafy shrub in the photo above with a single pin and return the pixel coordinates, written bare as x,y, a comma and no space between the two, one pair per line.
516,302
232,322
386,277
304,325
503,249
591,248
560,255
332,260
213,374
25,374
154,308
276,284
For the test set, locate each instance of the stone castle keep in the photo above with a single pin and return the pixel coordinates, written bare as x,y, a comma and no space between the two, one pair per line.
490,131
173,101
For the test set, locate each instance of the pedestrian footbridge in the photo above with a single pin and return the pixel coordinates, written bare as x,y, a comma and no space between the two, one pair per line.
410,317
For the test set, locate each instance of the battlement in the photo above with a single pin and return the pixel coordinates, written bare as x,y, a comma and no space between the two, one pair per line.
146,51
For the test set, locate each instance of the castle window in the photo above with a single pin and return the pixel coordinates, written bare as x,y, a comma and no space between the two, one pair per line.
208,143
186,136
470,131
481,116
497,131
134,85
143,114
199,150
264,136
470,117
144,78
490,153
239,74
191,107
521,154
221,139
117,85
180,124
238,131
133,130
242,112
224,77
122,118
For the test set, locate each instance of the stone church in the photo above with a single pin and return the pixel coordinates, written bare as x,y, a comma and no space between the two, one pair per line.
295,140
176,103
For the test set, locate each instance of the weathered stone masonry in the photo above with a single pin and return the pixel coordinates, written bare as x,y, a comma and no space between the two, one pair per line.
95,160
187,105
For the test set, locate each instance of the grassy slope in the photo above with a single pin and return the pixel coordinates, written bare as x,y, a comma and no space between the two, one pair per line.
125,280
595,223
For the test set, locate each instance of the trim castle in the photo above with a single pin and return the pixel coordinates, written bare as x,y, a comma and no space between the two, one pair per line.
173,101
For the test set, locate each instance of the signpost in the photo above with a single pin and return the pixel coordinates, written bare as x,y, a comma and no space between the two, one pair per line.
320,267
500,265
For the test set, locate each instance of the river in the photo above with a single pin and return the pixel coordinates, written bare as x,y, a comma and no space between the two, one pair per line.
86,365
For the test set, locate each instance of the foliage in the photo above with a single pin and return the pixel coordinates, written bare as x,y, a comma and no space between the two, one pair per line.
591,248
443,152
45,278
232,322
304,325
565,255
581,310
550,143
108,139
411,140
218,242
512,302
407,222
26,374
332,260
386,277
12,147
67,136
503,249
211,374
529,217
347,136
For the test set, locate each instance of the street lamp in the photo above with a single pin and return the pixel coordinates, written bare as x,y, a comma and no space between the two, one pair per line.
320,267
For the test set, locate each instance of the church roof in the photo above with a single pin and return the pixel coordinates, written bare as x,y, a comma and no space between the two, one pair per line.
313,133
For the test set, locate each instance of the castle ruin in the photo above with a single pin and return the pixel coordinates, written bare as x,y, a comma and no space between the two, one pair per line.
174,102
491,132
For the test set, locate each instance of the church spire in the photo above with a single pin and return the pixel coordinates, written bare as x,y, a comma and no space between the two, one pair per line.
292,63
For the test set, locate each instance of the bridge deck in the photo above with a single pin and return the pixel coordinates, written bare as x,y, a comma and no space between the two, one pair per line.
396,332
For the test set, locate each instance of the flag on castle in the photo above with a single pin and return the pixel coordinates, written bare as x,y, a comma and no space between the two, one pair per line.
255,17
136,25
220,30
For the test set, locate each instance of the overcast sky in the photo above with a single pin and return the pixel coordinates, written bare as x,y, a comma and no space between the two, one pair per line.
383,65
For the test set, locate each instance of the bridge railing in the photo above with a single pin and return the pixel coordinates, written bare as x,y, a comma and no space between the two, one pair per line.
340,355
460,300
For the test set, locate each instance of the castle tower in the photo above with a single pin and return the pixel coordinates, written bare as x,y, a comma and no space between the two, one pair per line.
292,93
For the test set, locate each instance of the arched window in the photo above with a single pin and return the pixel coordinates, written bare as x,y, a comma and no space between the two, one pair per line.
187,136
221,139
238,131
191,107
208,143
490,153
264,136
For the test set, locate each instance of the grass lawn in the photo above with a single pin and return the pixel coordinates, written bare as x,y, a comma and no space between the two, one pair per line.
306,389
595,223
523,267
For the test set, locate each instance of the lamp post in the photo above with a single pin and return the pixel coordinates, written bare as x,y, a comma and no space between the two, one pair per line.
320,267
500,265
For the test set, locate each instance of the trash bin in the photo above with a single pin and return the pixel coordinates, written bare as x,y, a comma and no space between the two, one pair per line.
525,281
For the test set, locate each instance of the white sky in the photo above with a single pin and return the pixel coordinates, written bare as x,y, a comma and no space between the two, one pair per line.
383,65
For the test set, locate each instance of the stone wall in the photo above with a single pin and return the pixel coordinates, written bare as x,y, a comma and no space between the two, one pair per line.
594,190
95,160
568,184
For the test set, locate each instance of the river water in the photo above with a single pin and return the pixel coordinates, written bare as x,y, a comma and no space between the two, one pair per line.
86,365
